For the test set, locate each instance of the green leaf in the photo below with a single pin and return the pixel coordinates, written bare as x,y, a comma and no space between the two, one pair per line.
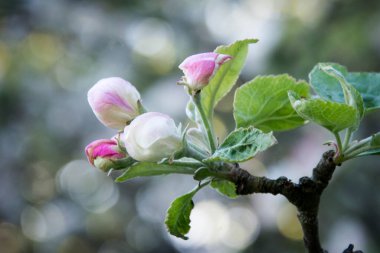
242,144
146,169
201,173
375,151
351,96
226,76
333,116
224,187
328,87
374,146
375,139
178,215
264,103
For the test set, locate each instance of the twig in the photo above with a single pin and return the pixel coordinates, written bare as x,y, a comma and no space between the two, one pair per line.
305,194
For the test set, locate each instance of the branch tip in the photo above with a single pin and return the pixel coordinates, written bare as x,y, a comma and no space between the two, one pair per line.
350,249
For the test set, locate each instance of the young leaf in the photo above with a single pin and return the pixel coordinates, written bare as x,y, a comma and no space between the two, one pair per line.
374,151
264,103
328,87
146,169
333,116
351,96
374,146
243,144
178,215
224,187
226,76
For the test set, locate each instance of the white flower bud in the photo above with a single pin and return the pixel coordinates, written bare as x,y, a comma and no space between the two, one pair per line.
151,137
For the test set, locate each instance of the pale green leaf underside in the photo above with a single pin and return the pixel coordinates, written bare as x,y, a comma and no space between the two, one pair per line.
224,187
333,116
226,76
178,215
146,169
370,152
374,146
328,87
264,103
351,96
243,144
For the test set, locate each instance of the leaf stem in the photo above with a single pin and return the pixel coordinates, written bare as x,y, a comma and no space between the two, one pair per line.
339,143
206,123
358,145
190,164
201,185
194,152
355,152
347,139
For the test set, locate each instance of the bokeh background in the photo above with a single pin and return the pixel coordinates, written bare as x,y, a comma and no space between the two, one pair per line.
52,52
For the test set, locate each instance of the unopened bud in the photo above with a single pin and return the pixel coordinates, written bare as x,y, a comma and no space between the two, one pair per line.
151,137
200,68
104,153
114,101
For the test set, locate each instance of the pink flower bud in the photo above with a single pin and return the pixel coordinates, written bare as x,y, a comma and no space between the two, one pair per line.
101,153
200,68
114,102
151,137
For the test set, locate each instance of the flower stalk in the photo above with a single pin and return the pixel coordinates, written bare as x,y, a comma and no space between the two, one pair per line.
206,123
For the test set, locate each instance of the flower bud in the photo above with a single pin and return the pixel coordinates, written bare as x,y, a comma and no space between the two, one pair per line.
114,101
102,153
200,68
151,137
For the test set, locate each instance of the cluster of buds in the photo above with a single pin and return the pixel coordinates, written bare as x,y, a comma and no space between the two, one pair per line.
143,136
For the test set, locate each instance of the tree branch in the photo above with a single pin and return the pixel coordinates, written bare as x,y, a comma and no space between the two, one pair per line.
350,249
305,194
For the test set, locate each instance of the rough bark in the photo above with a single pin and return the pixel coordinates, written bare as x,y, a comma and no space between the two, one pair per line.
305,195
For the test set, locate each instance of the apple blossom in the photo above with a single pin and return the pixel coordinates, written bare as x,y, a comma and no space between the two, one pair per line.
102,153
114,101
200,68
151,137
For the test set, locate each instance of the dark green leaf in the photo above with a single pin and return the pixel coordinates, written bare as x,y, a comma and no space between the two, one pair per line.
242,144
328,87
201,173
376,139
333,116
226,76
178,215
224,187
146,169
264,103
